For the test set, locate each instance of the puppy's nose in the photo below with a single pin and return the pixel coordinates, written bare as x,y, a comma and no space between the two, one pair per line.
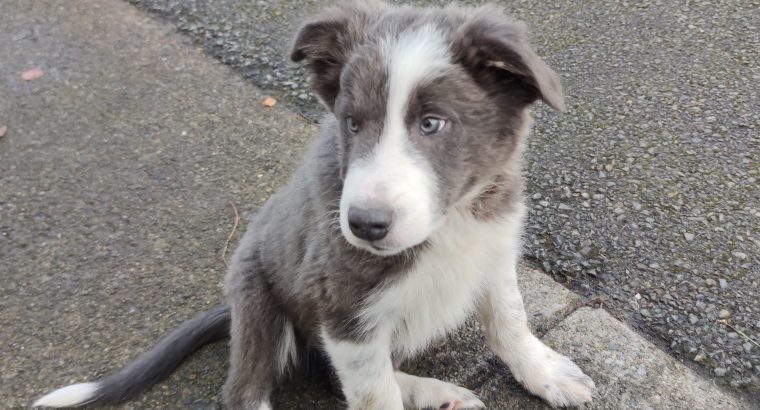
369,224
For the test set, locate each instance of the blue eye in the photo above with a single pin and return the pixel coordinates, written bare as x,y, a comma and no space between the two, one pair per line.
352,126
431,125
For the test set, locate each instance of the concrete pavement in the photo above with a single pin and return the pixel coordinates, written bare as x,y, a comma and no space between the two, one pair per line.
118,167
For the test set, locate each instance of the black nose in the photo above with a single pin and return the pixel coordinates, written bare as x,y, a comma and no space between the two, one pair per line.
369,224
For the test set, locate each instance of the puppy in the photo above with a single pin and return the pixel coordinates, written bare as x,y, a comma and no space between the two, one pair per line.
403,220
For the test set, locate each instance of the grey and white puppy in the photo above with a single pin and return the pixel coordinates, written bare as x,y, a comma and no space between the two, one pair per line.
403,220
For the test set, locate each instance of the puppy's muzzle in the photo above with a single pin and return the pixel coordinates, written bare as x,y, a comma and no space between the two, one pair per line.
369,224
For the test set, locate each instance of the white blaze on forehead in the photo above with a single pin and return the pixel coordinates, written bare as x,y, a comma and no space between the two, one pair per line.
412,59
395,176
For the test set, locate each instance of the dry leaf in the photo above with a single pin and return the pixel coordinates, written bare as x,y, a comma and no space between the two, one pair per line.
32,74
3,130
269,102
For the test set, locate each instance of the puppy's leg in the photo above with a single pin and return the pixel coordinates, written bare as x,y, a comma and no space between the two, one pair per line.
427,393
261,347
365,371
540,369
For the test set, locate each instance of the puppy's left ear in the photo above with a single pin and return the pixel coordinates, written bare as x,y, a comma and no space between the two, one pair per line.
493,47
327,41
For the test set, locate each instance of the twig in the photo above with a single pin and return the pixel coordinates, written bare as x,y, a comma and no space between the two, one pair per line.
305,118
223,257
742,334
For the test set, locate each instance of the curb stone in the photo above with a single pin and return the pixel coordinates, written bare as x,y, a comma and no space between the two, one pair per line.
629,371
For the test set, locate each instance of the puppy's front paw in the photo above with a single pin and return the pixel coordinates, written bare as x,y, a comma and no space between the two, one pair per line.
453,397
556,379
567,384
427,393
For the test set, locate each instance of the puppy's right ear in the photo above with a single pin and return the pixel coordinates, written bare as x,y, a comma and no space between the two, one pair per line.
326,43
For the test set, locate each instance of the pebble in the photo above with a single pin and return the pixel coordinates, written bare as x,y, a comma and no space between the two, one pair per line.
723,283
740,255
700,357
688,236
710,282
720,371
724,314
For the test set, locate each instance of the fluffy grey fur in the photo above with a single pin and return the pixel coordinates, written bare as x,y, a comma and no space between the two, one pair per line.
294,275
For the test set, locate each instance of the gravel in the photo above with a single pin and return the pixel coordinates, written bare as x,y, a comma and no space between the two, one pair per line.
252,36
647,186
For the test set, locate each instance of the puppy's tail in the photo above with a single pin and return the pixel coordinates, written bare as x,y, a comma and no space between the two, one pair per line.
149,368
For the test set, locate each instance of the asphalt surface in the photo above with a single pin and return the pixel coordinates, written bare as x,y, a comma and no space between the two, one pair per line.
644,194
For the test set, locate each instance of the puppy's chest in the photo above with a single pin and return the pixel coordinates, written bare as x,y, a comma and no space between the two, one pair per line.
442,289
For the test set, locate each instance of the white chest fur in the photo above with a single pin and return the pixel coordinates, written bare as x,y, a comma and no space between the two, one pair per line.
447,280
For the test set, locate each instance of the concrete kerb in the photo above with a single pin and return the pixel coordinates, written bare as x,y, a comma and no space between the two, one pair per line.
630,372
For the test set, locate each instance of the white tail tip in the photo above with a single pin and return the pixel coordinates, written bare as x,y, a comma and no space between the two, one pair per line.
69,396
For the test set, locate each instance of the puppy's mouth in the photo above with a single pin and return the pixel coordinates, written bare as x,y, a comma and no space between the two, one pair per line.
377,248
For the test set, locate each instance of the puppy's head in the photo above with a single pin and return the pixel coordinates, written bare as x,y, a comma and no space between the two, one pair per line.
431,108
